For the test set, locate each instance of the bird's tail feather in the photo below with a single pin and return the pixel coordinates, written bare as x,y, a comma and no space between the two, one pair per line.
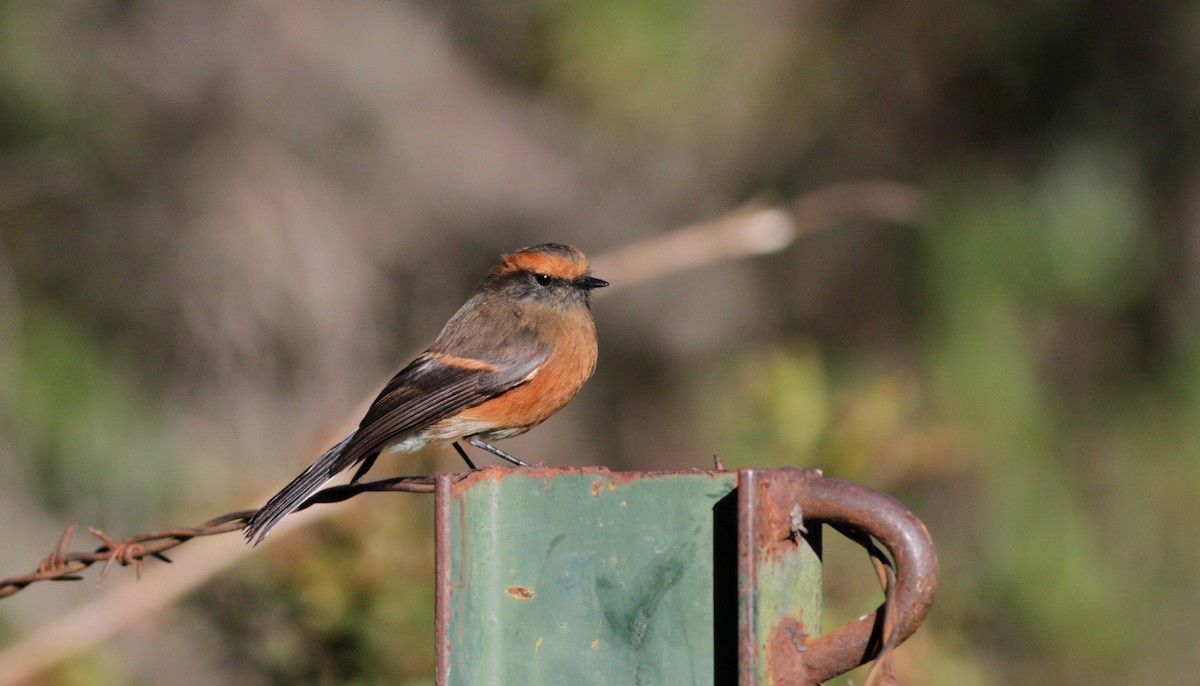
294,494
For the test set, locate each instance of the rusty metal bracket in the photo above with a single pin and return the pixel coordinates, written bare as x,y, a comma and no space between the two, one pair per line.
777,505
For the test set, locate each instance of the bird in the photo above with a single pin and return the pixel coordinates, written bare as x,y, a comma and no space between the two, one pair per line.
515,353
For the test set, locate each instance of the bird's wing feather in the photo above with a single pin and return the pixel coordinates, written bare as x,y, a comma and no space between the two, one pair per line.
435,386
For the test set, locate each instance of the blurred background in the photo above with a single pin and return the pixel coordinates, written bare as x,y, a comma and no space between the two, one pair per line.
223,225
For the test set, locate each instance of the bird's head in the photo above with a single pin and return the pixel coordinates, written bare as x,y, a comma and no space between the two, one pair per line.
548,273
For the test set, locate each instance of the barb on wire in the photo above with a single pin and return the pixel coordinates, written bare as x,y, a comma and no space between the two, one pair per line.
63,564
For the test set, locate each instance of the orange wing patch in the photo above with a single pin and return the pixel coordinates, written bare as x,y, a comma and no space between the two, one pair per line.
461,362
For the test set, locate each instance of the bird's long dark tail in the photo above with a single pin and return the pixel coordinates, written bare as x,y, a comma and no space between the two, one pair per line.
294,494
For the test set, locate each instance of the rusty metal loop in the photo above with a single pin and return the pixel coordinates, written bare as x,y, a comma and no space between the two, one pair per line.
843,503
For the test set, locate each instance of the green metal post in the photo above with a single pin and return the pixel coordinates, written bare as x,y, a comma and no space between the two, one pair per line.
585,576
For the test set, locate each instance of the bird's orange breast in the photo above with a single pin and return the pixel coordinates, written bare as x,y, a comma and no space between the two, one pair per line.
556,382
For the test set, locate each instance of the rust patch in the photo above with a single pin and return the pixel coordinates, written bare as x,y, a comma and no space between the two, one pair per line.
598,485
785,651
521,592
628,477
778,516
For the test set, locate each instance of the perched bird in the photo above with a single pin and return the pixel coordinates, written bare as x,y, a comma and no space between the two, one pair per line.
515,353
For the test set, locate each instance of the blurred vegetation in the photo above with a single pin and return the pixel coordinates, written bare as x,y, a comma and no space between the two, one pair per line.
222,225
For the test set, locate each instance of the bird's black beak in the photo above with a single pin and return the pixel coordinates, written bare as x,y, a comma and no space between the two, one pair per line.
589,282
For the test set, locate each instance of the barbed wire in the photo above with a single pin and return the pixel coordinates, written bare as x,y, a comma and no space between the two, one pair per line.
65,565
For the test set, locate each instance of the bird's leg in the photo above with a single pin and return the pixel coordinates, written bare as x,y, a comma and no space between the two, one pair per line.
463,454
478,443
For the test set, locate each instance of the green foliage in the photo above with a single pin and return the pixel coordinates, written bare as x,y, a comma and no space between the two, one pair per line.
774,407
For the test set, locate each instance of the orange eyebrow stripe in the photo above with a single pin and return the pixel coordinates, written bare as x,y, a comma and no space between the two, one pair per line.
461,362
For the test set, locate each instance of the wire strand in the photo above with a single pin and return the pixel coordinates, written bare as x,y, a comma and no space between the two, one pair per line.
63,564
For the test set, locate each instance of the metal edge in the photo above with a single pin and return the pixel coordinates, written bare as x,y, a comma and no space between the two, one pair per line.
444,590
747,574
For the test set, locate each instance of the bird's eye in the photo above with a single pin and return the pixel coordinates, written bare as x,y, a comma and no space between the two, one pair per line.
542,279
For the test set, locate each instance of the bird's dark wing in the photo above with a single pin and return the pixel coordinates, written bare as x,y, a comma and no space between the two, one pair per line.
435,386
432,387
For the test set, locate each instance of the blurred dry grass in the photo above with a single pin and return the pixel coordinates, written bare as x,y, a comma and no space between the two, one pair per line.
221,225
